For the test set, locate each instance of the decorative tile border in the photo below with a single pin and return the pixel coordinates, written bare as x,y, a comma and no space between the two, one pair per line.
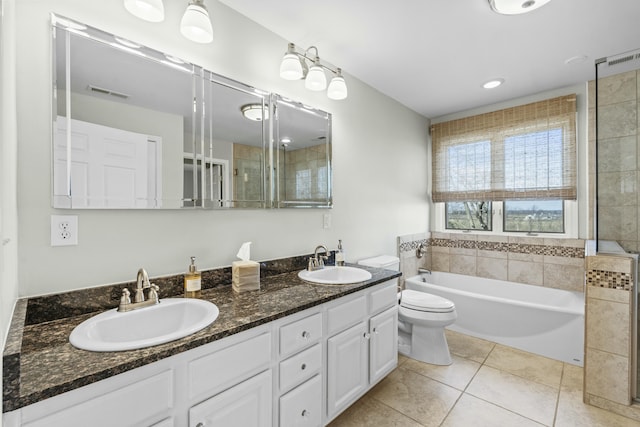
609,279
413,245
521,248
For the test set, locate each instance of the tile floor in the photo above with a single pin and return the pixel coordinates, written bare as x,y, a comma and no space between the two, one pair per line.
487,384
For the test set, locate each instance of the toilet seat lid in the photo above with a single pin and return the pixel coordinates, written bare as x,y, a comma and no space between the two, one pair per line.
422,301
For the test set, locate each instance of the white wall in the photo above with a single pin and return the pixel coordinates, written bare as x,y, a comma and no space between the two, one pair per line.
379,151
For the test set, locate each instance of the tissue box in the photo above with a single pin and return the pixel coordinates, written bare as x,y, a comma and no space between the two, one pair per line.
245,276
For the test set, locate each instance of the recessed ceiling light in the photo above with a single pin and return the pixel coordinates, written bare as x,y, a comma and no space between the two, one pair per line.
576,59
516,7
493,83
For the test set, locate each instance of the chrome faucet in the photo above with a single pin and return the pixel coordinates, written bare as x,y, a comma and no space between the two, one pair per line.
317,262
139,301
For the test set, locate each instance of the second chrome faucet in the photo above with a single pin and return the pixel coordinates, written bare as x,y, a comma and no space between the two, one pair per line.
139,300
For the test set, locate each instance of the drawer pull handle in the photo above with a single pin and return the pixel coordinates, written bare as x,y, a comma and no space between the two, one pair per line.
306,335
305,413
304,366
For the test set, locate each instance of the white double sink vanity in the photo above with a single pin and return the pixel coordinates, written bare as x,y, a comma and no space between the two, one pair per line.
300,369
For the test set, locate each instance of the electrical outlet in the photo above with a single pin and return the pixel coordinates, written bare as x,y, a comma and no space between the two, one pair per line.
64,230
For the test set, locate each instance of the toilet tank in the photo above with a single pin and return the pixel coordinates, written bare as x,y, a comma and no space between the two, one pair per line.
388,262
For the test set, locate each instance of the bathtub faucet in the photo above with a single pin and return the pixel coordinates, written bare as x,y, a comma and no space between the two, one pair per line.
423,270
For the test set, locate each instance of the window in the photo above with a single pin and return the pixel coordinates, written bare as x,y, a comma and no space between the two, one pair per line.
468,216
509,170
534,216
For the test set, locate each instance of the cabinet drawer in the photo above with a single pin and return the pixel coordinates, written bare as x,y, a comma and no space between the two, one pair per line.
228,366
346,314
302,405
300,334
300,367
136,404
384,297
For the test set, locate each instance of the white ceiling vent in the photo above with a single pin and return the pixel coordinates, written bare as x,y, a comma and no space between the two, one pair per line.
104,91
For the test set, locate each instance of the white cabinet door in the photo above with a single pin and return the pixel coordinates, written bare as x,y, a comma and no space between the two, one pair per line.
248,404
347,367
383,357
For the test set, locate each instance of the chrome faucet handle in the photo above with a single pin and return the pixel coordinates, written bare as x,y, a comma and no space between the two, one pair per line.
125,300
153,293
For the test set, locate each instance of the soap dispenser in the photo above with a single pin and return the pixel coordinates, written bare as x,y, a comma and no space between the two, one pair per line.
340,254
192,281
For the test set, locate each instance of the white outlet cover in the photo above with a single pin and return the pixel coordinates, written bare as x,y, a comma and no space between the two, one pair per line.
64,230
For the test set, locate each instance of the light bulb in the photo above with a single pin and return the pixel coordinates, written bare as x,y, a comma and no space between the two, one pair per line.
337,88
149,10
290,67
316,80
195,24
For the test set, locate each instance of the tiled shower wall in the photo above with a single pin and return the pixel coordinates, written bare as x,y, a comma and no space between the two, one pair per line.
554,263
618,158
609,375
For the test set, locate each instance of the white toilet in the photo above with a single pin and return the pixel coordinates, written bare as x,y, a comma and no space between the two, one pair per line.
422,318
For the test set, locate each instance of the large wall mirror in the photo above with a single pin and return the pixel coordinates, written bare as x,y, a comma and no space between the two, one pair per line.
303,155
134,128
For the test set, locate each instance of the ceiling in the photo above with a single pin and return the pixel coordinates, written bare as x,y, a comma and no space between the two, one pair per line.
434,55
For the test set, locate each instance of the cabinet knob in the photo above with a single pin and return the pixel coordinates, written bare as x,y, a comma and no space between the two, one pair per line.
367,335
199,425
375,330
306,335
304,366
305,413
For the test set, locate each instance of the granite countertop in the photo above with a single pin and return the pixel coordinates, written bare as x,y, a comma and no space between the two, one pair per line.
39,362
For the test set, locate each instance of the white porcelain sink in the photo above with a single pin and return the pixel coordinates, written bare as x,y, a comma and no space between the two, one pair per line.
335,275
171,319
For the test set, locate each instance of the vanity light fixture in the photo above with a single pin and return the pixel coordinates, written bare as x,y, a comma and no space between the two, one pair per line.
255,112
149,10
294,67
516,7
195,24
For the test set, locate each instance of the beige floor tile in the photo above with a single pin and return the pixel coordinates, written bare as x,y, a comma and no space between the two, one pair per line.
572,378
526,365
420,398
525,397
471,411
401,359
457,375
368,412
468,347
573,412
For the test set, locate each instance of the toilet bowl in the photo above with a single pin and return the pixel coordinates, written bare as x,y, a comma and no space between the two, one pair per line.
422,318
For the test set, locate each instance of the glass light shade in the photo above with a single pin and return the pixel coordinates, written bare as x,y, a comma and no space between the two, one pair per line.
290,67
515,7
337,88
255,112
149,10
316,80
196,25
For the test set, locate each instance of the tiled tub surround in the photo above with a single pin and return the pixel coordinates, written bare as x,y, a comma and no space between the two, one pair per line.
39,362
554,263
409,262
609,377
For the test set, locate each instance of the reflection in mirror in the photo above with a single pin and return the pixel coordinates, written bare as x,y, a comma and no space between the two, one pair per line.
234,144
303,155
137,129
122,114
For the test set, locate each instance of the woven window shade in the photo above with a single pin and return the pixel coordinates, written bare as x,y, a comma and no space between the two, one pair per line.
524,152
